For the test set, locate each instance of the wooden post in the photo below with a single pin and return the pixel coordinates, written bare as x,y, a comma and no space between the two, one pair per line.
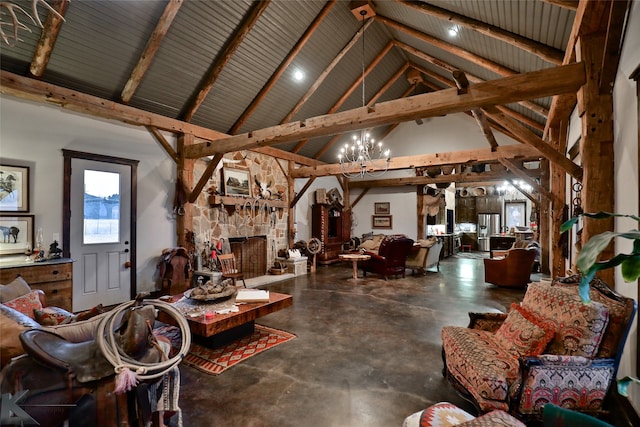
596,146
558,178
544,222
185,171
291,220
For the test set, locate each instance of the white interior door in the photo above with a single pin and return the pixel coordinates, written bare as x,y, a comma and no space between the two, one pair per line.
100,234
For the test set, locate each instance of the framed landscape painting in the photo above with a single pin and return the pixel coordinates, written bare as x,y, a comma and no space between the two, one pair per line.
382,208
381,221
17,233
237,182
14,188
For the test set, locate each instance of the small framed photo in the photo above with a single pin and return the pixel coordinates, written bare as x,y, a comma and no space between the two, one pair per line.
381,221
237,182
14,188
382,208
17,234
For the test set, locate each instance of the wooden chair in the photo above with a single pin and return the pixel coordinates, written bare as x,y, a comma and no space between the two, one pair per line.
229,268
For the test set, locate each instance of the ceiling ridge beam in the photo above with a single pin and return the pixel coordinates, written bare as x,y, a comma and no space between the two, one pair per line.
150,49
355,85
48,38
432,159
325,73
543,51
488,64
221,61
302,41
372,101
541,83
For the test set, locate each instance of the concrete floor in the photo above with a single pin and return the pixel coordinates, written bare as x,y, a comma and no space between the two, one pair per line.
367,352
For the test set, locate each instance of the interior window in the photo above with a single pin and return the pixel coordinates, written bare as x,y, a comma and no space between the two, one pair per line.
101,207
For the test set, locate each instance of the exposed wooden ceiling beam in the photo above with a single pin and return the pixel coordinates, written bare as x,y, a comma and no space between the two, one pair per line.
223,59
286,155
526,178
432,159
500,70
163,143
302,191
467,177
566,4
450,69
547,53
532,139
48,38
613,44
526,194
463,84
372,101
566,78
211,167
149,51
355,85
325,73
282,68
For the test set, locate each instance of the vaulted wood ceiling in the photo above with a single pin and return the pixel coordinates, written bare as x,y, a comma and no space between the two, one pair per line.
223,70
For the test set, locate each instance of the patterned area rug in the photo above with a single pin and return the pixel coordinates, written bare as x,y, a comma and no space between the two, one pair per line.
217,360
472,255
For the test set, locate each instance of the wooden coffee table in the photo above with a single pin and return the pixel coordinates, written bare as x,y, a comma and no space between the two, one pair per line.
232,324
354,258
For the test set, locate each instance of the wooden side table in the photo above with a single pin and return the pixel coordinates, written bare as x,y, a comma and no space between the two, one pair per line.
354,258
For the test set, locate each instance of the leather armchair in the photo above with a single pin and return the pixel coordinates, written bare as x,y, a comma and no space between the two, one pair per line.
391,257
514,270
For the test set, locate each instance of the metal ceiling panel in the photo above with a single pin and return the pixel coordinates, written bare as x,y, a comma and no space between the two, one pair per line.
196,37
99,44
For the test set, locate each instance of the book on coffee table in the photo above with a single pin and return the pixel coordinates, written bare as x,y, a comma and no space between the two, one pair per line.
252,295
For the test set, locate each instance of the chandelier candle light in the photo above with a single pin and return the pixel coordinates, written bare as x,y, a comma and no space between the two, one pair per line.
364,156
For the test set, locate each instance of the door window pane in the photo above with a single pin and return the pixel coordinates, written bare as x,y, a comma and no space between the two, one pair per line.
101,207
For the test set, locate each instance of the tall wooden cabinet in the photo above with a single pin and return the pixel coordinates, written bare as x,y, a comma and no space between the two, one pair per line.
54,277
330,224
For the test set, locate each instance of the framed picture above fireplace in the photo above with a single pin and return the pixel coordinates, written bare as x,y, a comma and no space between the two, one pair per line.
237,182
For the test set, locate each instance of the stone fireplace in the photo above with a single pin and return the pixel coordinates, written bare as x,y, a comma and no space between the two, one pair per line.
254,227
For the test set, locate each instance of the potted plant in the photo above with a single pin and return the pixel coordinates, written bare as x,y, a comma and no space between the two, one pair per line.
588,264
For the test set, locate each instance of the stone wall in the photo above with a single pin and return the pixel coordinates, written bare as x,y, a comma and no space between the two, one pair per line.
249,215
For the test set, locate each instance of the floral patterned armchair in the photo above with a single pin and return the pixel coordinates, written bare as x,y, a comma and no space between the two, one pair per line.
551,348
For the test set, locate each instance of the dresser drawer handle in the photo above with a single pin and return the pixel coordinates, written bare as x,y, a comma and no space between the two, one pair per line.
54,272
55,291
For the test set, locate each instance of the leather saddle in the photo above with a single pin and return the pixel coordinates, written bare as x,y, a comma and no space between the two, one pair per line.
84,361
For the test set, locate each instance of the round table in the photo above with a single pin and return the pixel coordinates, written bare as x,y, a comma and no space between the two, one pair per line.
354,258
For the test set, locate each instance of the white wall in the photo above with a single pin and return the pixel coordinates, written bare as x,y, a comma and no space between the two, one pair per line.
626,173
33,134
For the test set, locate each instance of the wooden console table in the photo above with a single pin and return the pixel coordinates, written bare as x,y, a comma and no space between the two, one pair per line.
54,277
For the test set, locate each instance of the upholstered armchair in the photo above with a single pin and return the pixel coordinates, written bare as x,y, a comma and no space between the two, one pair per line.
391,257
513,270
550,348
425,254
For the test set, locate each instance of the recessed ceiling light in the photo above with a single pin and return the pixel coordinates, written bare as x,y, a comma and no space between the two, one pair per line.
453,31
298,75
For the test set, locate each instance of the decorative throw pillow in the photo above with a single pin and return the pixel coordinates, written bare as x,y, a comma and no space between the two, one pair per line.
13,290
88,314
26,304
520,335
51,316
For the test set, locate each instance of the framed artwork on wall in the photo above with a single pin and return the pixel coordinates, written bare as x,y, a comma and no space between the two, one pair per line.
382,208
381,221
14,188
515,214
17,233
237,182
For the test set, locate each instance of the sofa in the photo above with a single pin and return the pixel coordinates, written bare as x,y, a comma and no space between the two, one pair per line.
550,348
425,254
513,270
390,258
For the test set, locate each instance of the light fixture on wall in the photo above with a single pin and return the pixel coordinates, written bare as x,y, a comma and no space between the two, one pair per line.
511,191
364,157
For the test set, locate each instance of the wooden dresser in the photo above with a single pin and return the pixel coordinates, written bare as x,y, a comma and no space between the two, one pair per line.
54,277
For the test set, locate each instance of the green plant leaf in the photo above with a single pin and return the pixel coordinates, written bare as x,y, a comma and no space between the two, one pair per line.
569,223
603,215
592,249
623,385
630,268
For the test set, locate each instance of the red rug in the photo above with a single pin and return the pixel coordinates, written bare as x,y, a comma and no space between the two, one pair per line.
217,360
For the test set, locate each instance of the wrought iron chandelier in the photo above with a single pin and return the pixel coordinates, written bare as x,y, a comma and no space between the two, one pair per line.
364,157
